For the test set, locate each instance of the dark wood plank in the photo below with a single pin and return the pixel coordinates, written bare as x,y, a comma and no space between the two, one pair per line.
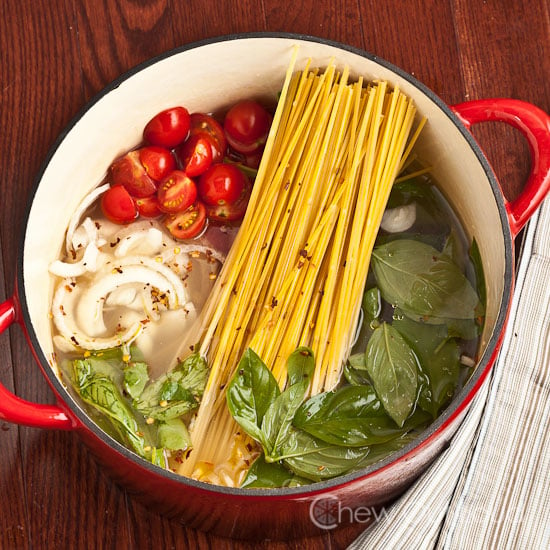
115,36
505,52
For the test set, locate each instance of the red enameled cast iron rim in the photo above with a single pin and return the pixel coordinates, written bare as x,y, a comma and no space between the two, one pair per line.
459,403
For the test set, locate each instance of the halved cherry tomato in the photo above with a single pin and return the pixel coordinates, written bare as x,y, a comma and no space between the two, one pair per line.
246,126
177,192
157,161
221,184
148,206
129,171
187,224
117,205
168,128
209,128
195,155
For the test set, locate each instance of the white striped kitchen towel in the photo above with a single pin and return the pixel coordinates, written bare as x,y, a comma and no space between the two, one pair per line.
491,487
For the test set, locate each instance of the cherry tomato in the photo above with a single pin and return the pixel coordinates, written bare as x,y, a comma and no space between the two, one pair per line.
117,205
128,171
148,206
168,128
157,161
187,224
230,212
246,126
221,184
209,128
177,192
195,155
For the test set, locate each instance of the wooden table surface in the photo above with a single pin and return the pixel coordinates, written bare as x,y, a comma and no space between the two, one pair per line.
56,54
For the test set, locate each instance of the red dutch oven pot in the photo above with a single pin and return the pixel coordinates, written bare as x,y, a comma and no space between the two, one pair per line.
254,65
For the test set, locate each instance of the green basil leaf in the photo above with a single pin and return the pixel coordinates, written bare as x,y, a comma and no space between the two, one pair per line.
278,417
101,393
173,435
270,475
392,367
175,393
136,376
300,365
168,410
372,304
313,459
249,394
351,416
439,358
356,376
422,281
192,373
382,451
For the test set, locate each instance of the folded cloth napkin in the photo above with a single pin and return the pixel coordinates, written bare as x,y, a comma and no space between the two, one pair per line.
491,488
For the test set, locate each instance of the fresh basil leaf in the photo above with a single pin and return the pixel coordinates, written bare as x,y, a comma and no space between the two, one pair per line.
100,392
136,376
278,417
270,475
382,451
192,373
356,376
439,358
313,459
392,367
372,304
422,281
358,361
173,435
249,394
168,410
300,365
175,393
351,416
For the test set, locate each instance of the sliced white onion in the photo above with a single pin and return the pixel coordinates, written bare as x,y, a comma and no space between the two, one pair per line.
401,218
155,265
145,241
64,323
123,296
82,207
87,263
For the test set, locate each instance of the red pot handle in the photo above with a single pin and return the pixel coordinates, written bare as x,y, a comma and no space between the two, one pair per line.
17,410
534,124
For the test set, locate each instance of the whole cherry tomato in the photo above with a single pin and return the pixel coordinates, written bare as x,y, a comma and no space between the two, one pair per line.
195,155
246,126
168,128
209,128
177,192
230,212
157,161
129,172
187,224
117,205
221,184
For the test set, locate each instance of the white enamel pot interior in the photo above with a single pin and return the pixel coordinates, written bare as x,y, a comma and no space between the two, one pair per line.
209,77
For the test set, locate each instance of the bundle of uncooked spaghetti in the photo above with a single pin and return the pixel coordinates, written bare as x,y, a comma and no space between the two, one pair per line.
297,269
